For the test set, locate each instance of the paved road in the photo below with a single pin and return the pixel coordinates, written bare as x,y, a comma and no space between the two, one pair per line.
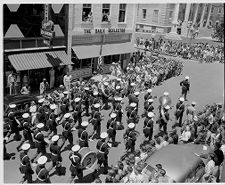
207,82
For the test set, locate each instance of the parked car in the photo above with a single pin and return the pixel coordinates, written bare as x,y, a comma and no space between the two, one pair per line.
180,162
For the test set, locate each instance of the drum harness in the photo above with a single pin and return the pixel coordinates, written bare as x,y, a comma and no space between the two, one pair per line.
36,137
82,135
147,124
23,159
73,156
100,149
39,174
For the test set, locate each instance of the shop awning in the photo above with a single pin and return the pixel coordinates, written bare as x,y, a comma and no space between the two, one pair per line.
39,60
90,51
114,49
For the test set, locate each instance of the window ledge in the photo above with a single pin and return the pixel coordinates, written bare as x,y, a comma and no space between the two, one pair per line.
86,24
122,24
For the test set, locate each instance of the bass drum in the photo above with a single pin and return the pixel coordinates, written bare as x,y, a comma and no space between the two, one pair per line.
88,157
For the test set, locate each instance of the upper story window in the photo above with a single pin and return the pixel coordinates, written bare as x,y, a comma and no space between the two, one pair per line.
144,11
122,12
155,16
212,9
219,10
105,12
87,14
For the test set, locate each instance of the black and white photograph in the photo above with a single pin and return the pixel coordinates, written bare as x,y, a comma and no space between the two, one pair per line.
113,92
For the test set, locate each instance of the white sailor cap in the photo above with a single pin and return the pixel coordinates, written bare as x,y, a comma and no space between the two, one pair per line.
167,107
118,87
132,84
53,106
76,148
150,100
113,115
25,115
118,99
61,86
106,83
181,99
150,114
136,93
12,106
97,105
131,125
55,138
86,88
40,125
104,135
66,92
95,93
149,90
187,77
42,160
118,79
84,124
77,99
195,118
25,146
165,93
193,103
133,104
41,100
113,63
67,115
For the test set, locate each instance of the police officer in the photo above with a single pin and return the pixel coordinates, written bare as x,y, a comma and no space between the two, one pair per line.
51,122
164,118
25,166
130,137
41,171
67,129
76,168
148,126
96,121
111,128
27,136
83,135
148,107
179,111
102,154
185,87
40,144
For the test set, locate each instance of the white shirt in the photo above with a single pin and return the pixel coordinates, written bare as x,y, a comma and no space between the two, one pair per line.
164,143
209,167
186,135
223,149
33,108
67,79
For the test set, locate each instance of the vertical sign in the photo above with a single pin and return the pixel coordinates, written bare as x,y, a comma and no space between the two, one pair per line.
46,12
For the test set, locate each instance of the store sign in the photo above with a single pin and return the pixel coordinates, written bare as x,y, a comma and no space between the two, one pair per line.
103,31
47,31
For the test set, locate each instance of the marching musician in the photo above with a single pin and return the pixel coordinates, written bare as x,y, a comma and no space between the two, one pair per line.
148,126
86,99
105,95
111,128
95,99
132,113
148,107
78,111
164,118
130,137
118,109
83,135
148,95
51,122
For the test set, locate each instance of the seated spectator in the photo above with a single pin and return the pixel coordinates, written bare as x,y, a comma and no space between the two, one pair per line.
25,89
209,168
186,135
165,141
163,178
158,143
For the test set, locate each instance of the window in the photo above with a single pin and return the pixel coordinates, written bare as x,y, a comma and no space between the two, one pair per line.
108,59
87,14
156,12
219,10
122,12
170,14
105,12
144,13
212,9
155,16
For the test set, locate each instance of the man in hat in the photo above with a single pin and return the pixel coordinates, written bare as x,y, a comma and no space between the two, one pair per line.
39,142
130,137
76,168
78,111
83,135
148,107
148,95
102,154
111,128
164,118
67,130
41,171
133,98
56,158
148,126
180,107
132,113
185,87
27,130
191,112
95,119
118,109
51,123
25,166
94,99
105,96
86,100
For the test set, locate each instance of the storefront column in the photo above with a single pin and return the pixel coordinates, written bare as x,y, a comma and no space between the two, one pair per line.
202,16
208,16
196,14
186,19
175,18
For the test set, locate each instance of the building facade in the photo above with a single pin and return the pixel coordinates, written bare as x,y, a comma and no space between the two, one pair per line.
25,53
99,29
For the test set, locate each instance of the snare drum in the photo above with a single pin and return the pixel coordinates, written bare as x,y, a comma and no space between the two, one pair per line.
88,157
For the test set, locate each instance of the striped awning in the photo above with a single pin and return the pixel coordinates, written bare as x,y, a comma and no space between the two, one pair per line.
39,60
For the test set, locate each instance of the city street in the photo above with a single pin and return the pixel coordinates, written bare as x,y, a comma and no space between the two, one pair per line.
207,87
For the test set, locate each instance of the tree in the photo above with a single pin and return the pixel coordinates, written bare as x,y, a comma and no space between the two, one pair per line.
219,32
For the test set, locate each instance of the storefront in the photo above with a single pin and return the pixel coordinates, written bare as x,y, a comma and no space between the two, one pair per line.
32,66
